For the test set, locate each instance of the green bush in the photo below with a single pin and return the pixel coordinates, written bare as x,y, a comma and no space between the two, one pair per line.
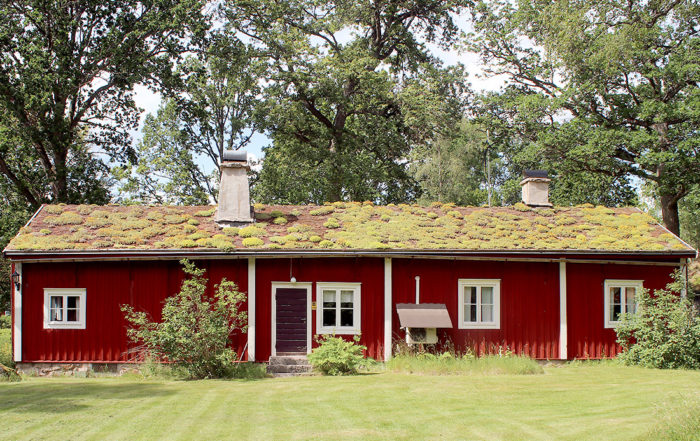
5,321
7,364
196,328
336,356
664,333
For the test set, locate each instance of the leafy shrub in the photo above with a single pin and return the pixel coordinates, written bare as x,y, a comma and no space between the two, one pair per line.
336,356
7,364
664,333
5,321
195,331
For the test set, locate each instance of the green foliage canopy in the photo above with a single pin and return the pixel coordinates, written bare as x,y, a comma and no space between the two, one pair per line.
350,87
67,70
611,86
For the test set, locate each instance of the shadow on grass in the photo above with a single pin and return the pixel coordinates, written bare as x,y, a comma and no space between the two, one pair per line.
55,397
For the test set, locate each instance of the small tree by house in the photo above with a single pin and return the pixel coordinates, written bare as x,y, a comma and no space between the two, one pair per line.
195,330
663,333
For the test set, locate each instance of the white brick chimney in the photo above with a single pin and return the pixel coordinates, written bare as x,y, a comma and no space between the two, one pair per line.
535,188
234,192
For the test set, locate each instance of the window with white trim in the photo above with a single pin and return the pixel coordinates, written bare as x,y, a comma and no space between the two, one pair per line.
64,308
479,304
338,308
620,298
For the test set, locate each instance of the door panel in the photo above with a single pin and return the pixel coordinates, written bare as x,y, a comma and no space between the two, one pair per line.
291,320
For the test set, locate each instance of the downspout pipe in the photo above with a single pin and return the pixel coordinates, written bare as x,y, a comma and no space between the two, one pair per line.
417,290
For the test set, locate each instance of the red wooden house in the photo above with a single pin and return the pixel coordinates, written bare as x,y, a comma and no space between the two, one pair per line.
549,282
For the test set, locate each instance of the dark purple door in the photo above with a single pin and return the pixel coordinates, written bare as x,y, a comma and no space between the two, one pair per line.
291,320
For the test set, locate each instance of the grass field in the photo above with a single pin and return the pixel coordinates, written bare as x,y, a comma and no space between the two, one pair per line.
590,401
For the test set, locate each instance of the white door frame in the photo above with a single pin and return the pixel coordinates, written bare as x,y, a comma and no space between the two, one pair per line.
273,295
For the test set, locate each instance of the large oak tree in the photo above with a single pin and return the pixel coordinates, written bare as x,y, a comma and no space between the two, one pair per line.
615,83
67,72
350,88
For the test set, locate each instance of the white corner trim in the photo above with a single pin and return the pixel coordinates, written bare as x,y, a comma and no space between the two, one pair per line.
356,327
251,309
684,277
563,331
17,311
273,313
73,292
388,310
638,284
496,285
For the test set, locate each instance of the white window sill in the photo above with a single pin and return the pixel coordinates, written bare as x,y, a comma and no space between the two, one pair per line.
61,325
338,331
479,326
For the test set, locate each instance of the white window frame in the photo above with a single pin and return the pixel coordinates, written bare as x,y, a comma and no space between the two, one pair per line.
479,283
356,308
616,283
64,292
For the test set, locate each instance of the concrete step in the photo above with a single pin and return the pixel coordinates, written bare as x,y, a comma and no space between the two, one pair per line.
289,360
289,374
288,365
288,369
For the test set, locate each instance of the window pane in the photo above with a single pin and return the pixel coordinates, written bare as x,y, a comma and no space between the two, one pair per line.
72,302
615,311
56,315
346,317
470,313
630,293
56,309
486,296
487,313
615,294
56,302
470,294
329,317
328,299
72,315
346,298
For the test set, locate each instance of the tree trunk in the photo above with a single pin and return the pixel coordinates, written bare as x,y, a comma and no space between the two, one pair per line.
669,213
60,179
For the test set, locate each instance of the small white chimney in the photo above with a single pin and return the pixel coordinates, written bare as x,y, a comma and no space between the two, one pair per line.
234,192
535,188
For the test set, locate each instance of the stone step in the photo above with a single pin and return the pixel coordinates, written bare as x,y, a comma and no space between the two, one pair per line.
288,369
289,374
289,360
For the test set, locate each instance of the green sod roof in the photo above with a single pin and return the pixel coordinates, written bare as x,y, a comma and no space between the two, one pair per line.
349,226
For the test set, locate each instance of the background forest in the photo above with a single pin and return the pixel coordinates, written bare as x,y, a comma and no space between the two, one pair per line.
352,101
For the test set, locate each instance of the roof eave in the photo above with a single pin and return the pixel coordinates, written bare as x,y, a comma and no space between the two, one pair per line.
187,252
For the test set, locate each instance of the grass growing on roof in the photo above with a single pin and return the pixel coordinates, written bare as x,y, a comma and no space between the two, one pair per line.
352,225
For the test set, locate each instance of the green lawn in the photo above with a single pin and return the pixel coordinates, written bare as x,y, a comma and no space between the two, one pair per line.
575,402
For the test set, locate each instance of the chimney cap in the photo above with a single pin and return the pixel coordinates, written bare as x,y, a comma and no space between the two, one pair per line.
535,174
234,156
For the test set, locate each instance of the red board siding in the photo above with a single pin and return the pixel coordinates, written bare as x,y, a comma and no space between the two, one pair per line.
529,302
367,271
108,285
588,338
